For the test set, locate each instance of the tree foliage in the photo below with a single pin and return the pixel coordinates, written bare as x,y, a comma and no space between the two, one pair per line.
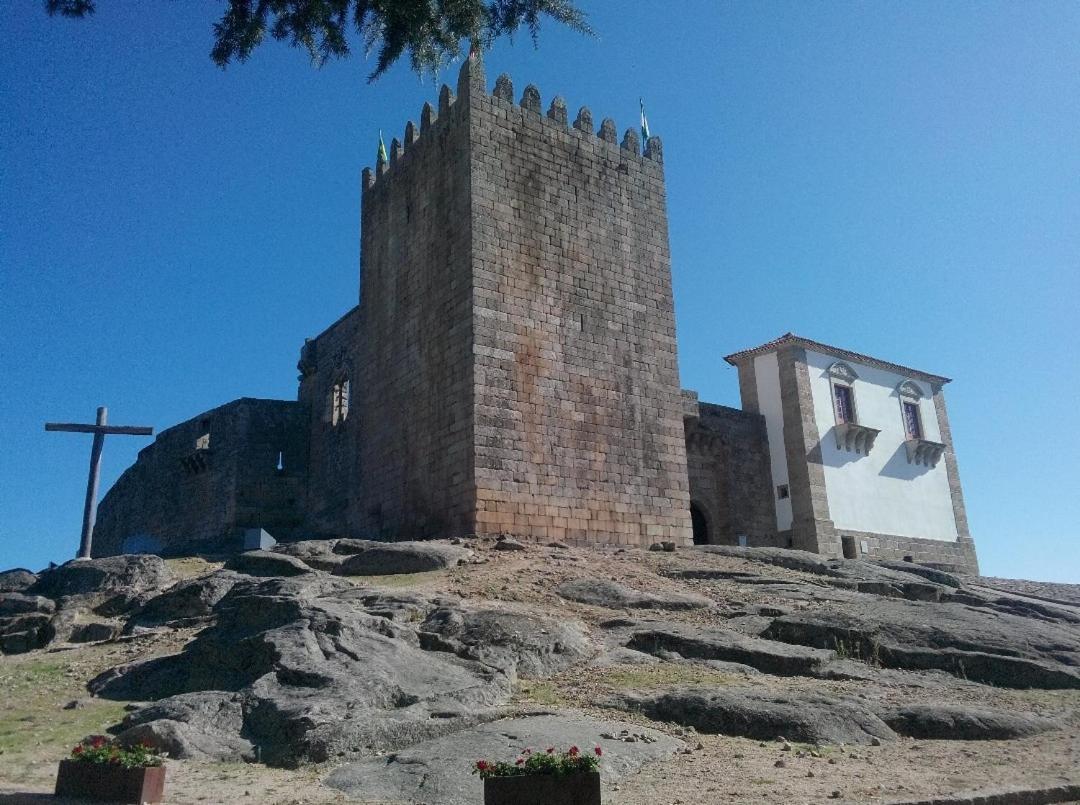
431,32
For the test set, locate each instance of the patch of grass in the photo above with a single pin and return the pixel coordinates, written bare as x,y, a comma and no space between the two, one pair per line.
34,727
540,693
636,677
188,567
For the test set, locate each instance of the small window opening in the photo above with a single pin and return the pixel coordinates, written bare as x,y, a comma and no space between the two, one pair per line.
912,423
844,404
339,402
782,492
280,461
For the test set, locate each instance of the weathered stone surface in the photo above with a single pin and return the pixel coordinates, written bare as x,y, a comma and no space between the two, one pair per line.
694,642
192,726
388,558
25,632
189,600
929,573
316,553
517,642
267,563
803,717
976,643
16,580
437,772
508,544
963,723
109,585
94,632
603,593
19,604
322,667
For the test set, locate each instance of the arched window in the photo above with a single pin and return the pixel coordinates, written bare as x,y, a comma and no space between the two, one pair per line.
339,401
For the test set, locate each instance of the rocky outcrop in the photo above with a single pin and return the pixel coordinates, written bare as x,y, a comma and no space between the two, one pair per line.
982,645
16,580
109,585
610,594
438,771
964,723
267,563
357,557
804,717
321,667
189,601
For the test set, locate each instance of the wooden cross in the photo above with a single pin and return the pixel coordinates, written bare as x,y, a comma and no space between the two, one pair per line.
100,430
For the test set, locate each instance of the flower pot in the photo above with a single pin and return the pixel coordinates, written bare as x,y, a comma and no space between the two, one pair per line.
104,782
543,789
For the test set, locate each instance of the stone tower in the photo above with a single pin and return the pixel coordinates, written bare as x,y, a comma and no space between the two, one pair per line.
514,363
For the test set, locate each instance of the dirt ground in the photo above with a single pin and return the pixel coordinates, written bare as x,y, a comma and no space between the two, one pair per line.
39,725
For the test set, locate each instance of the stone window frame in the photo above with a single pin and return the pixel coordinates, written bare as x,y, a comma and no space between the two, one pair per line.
909,392
840,374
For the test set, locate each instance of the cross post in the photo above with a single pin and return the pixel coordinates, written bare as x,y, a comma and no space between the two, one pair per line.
100,430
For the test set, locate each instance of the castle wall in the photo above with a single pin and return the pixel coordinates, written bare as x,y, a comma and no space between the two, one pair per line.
727,456
414,347
327,360
203,480
579,432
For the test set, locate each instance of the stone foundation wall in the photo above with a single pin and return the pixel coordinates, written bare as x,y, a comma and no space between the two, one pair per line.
201,482
956,556
727,456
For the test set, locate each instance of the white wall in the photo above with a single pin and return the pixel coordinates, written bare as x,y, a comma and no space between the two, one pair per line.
767,375
880,492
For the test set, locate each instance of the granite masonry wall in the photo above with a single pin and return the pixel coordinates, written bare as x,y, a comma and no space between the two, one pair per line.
333,464
578,429
203,481
413,352
727,456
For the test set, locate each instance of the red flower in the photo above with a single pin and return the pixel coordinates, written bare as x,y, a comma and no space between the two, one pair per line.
481,765
550,749
598,751
78,750
573,751
98,741
146,744
520,760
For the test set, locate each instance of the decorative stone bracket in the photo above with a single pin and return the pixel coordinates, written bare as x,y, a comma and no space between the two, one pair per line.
859,438
923,451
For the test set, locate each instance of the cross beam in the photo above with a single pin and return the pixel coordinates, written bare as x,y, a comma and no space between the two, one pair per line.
100,430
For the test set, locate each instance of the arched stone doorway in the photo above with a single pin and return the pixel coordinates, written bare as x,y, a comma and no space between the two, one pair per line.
700,525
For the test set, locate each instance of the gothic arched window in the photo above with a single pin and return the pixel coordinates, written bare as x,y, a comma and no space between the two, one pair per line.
339,401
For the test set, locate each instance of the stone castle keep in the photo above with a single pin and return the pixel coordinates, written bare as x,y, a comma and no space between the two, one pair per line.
511,368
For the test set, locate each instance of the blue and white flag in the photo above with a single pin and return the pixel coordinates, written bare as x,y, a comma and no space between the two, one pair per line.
644,123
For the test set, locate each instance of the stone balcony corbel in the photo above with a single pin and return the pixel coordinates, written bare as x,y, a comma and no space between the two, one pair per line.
924,451
858,438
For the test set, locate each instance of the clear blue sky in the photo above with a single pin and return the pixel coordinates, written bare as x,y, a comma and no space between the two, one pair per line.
899,178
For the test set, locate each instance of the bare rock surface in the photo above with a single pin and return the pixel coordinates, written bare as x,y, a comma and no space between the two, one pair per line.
982,644
438,772
192,726
604,593
16,580
798,716
190,600
964,723
323,668
359,557
526,644
19,604
267,563
109,585
693,642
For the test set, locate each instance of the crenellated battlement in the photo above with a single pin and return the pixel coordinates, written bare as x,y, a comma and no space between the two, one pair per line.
472,87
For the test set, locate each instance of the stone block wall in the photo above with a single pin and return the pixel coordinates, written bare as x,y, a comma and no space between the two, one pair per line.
414,346
334,461
578,425
204,480
727,456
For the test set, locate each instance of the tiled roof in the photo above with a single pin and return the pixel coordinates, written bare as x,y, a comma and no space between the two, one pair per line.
844,354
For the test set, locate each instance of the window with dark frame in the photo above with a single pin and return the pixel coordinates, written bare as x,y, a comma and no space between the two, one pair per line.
339,402
782,492
844,404
912,423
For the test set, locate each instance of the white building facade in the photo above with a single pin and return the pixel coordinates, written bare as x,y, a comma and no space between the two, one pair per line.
860,452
